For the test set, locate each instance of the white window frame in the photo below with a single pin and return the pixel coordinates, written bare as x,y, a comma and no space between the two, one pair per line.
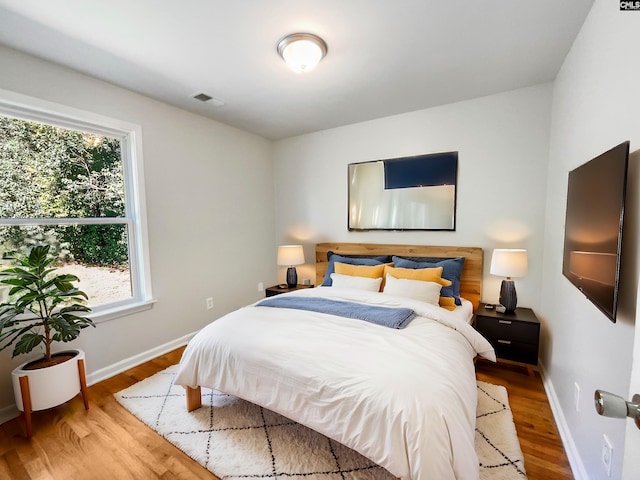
33,109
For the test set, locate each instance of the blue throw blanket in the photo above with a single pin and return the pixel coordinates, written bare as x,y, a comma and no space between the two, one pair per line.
388,317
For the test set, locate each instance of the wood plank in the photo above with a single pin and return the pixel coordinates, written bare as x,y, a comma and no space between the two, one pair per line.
12,464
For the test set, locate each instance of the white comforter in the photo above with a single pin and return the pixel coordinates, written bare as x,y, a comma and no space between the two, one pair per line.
406,398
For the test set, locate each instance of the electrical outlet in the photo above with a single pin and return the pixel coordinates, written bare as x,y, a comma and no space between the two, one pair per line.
607,454
261,287
576,396
209,303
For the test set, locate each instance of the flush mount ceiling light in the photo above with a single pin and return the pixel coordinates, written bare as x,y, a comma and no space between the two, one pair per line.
302,51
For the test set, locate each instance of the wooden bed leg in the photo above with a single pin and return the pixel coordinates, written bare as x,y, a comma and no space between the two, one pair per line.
194,400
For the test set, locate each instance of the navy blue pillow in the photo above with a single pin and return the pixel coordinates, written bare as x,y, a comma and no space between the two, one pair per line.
334,257
451,270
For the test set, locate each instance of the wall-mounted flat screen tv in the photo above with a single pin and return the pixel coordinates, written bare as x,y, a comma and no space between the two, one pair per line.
593,228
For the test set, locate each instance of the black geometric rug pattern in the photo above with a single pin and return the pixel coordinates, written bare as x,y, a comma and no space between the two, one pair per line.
235,439
496,439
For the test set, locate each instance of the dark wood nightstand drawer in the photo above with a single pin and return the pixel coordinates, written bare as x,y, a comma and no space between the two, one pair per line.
496,328
516,351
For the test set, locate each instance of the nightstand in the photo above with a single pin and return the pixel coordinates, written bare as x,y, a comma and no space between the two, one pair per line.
514,336
276,290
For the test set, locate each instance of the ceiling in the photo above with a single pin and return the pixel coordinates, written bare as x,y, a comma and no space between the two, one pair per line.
385,56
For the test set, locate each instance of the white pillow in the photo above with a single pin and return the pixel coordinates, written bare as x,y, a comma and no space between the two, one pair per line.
428,292
360,283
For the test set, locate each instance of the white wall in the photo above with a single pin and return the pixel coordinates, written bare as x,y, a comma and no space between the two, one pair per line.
199,196
502,142
210,213
596,101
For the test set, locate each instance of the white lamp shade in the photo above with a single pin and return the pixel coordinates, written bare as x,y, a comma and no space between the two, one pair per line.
509,262
290,255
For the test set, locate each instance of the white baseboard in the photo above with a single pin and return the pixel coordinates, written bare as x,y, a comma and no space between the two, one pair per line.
577,467
127,363
9,412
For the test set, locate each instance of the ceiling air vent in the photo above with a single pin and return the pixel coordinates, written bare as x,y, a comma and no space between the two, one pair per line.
203,97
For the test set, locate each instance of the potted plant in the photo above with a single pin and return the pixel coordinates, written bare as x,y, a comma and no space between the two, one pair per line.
43,308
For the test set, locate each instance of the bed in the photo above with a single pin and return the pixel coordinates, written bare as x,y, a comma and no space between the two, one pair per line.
403,397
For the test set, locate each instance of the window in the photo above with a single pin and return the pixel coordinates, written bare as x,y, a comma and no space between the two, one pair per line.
73,180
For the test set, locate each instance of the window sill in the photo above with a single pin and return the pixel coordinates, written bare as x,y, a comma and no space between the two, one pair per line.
110,313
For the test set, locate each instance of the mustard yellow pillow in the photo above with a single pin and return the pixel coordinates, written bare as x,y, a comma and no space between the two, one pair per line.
448,303
424,274
373,271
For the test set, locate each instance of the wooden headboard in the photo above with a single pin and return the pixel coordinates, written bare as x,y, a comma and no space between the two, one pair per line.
470,280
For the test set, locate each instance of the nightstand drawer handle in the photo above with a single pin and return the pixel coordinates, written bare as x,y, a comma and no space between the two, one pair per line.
505,322
506,342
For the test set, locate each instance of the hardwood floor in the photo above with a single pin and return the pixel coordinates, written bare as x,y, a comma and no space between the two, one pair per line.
106,442
544,455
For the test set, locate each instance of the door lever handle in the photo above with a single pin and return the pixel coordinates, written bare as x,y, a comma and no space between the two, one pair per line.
611,405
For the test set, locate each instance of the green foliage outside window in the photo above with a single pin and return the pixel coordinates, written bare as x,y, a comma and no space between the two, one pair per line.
53,172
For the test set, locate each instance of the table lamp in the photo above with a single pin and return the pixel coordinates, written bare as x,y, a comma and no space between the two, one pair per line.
509,262
290,255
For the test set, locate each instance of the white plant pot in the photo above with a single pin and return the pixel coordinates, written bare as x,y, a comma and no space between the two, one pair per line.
49,386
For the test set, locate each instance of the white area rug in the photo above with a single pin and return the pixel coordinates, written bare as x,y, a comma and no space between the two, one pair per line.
236,439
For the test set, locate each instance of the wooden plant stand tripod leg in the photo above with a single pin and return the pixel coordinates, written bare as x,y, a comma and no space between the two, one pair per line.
83,383
26,404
